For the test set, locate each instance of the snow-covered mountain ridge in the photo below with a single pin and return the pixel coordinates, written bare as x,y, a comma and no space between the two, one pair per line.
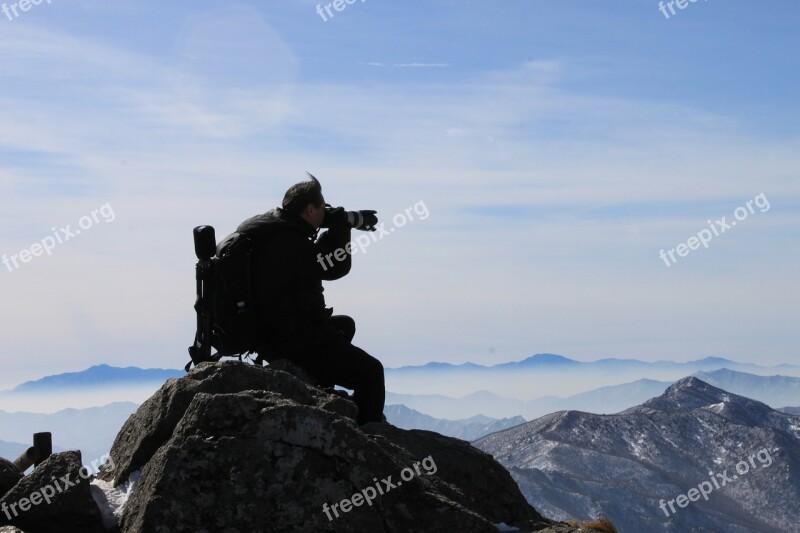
574,463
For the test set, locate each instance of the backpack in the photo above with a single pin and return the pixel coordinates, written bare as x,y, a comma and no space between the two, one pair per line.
227,318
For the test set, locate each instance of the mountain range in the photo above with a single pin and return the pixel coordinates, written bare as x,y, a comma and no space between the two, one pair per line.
664,440
544,375
467,429
90,430
644,467
776,391
98,376
103,384
548,361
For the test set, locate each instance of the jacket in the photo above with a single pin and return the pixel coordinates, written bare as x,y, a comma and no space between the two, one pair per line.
289,266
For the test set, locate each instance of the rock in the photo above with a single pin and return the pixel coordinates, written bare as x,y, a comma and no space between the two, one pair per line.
249,459
9,476
287,366
153,423
466,475
56,496
239,447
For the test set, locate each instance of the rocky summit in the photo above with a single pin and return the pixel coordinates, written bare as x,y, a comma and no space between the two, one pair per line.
241,448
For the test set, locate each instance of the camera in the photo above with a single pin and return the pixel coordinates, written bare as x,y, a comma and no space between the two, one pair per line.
363,220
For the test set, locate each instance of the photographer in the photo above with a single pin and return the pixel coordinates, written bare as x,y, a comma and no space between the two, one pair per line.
288,283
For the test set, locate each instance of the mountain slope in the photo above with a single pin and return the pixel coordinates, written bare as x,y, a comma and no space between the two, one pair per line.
577,464
775,391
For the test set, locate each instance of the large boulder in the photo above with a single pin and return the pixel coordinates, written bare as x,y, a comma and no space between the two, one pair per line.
239,447
154,422
467,475
56,496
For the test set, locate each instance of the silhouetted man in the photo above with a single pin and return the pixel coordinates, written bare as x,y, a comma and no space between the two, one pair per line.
290,263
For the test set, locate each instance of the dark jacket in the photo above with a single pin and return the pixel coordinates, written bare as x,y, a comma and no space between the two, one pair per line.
289,267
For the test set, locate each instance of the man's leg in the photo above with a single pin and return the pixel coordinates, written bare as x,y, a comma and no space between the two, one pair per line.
335,360
357,370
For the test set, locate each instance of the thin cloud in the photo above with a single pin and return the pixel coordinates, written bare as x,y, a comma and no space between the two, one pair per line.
409,65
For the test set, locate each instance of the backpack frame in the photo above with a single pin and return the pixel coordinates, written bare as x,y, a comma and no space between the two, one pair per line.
227,318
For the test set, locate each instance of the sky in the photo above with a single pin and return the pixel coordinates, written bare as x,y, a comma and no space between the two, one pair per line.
530,160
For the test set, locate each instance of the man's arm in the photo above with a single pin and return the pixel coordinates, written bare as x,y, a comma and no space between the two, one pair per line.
332,251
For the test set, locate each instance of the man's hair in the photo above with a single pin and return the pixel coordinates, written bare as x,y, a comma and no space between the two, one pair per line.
301,194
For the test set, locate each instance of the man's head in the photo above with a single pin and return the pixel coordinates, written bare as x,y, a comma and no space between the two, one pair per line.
305,200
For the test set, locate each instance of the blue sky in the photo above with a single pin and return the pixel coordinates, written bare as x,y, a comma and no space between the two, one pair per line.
557,147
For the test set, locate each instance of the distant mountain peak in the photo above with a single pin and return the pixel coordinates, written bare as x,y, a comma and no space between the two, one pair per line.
692,393
715,360
545,359
550,357
693,384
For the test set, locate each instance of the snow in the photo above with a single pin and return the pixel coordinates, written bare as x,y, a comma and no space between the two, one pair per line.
112,500
502,526
637,447
668,440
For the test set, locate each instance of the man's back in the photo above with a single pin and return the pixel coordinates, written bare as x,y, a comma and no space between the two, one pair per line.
287,276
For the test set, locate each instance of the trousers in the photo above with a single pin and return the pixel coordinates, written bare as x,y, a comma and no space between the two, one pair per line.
330,357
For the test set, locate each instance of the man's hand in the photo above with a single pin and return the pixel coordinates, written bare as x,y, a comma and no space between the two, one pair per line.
334,216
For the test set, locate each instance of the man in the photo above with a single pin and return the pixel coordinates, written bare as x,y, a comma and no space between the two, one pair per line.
289,265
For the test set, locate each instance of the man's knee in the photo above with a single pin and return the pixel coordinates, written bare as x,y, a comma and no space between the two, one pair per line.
345,325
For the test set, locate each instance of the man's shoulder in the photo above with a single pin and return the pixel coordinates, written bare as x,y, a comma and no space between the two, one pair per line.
270,232
267,224
265,221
